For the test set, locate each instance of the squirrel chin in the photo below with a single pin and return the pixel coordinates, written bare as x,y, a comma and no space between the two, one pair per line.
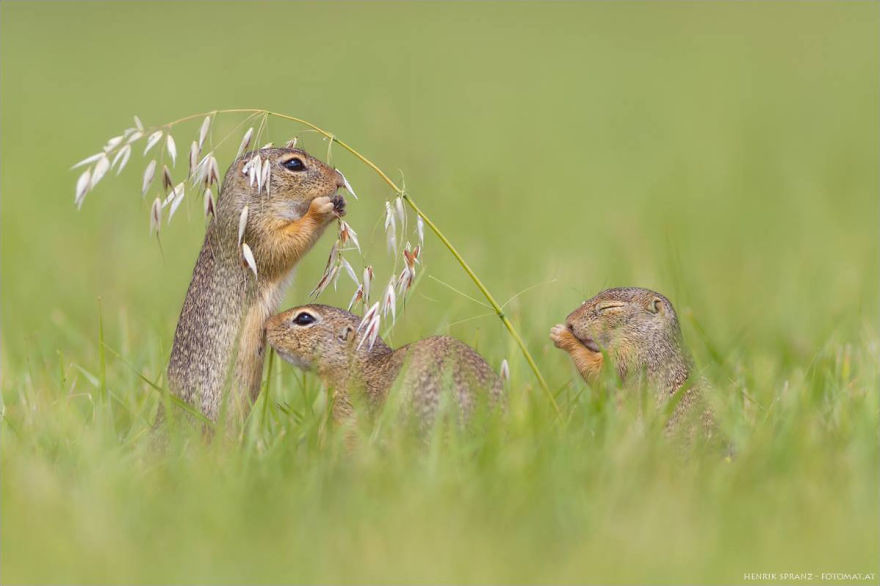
297,361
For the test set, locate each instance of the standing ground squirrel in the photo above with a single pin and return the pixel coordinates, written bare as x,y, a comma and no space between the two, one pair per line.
226,304
325,339
636,329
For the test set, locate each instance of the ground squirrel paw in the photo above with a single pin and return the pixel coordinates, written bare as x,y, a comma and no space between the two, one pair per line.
321,206
338,205
558,334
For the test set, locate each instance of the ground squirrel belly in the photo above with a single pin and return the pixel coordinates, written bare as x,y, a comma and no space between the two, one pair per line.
324,339
219,340
635,329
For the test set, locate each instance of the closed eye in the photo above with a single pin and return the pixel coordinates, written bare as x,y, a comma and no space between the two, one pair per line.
294,164
304,318
610,306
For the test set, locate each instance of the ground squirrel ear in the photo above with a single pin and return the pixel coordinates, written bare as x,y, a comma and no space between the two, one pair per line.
346,333
655,305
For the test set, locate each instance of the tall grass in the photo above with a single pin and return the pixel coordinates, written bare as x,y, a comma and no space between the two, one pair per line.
722,154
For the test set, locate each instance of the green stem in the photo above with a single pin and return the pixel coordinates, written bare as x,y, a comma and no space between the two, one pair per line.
102,362
467,269
499,311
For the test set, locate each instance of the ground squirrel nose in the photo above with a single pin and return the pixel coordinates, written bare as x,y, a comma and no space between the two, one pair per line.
340,180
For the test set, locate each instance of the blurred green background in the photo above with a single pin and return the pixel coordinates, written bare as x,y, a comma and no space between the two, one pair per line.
724,154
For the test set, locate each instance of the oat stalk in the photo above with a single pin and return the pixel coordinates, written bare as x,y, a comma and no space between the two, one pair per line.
401,193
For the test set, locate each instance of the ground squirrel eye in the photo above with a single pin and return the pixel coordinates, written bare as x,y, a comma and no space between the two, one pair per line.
610,306
294,164
304,319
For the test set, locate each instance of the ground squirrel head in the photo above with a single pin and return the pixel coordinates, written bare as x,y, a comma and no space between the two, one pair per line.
295,178
637,328
320,338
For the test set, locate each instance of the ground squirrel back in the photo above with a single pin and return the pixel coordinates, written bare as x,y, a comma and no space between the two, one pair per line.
324,339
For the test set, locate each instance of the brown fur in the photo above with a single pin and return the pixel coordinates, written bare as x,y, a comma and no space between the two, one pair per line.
226,306
637,330
329,347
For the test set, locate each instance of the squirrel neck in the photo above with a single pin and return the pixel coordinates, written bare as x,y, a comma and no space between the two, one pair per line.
222,318
661,357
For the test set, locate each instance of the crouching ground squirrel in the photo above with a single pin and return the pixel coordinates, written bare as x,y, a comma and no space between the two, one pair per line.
218,344
635,329
324,339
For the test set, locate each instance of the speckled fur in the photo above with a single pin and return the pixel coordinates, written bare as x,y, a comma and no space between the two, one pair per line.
637,330
219,342
422,369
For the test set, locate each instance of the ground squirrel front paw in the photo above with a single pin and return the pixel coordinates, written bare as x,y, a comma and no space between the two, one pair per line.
322,208
565,339
560,335
338,205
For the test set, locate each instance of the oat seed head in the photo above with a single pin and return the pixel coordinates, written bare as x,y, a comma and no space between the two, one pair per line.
348,269
369,325
208,203
193,158
346,233
149,173
390,228
213,172
169,198
358,296
113,143
153,140
266,175
368,280
203,131
121,157
330,271
82,187
245,141
389,301
242,223
249,258
347,185
167,181
88,160
171,148
401,213
101,168
156,215
177,195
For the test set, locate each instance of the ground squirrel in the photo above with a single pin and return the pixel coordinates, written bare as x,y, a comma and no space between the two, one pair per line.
325,340
636,329
227,304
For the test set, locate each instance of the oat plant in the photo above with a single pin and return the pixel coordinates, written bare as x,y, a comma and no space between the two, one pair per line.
378,298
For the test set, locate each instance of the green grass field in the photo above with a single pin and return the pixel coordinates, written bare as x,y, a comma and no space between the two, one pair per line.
723,154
